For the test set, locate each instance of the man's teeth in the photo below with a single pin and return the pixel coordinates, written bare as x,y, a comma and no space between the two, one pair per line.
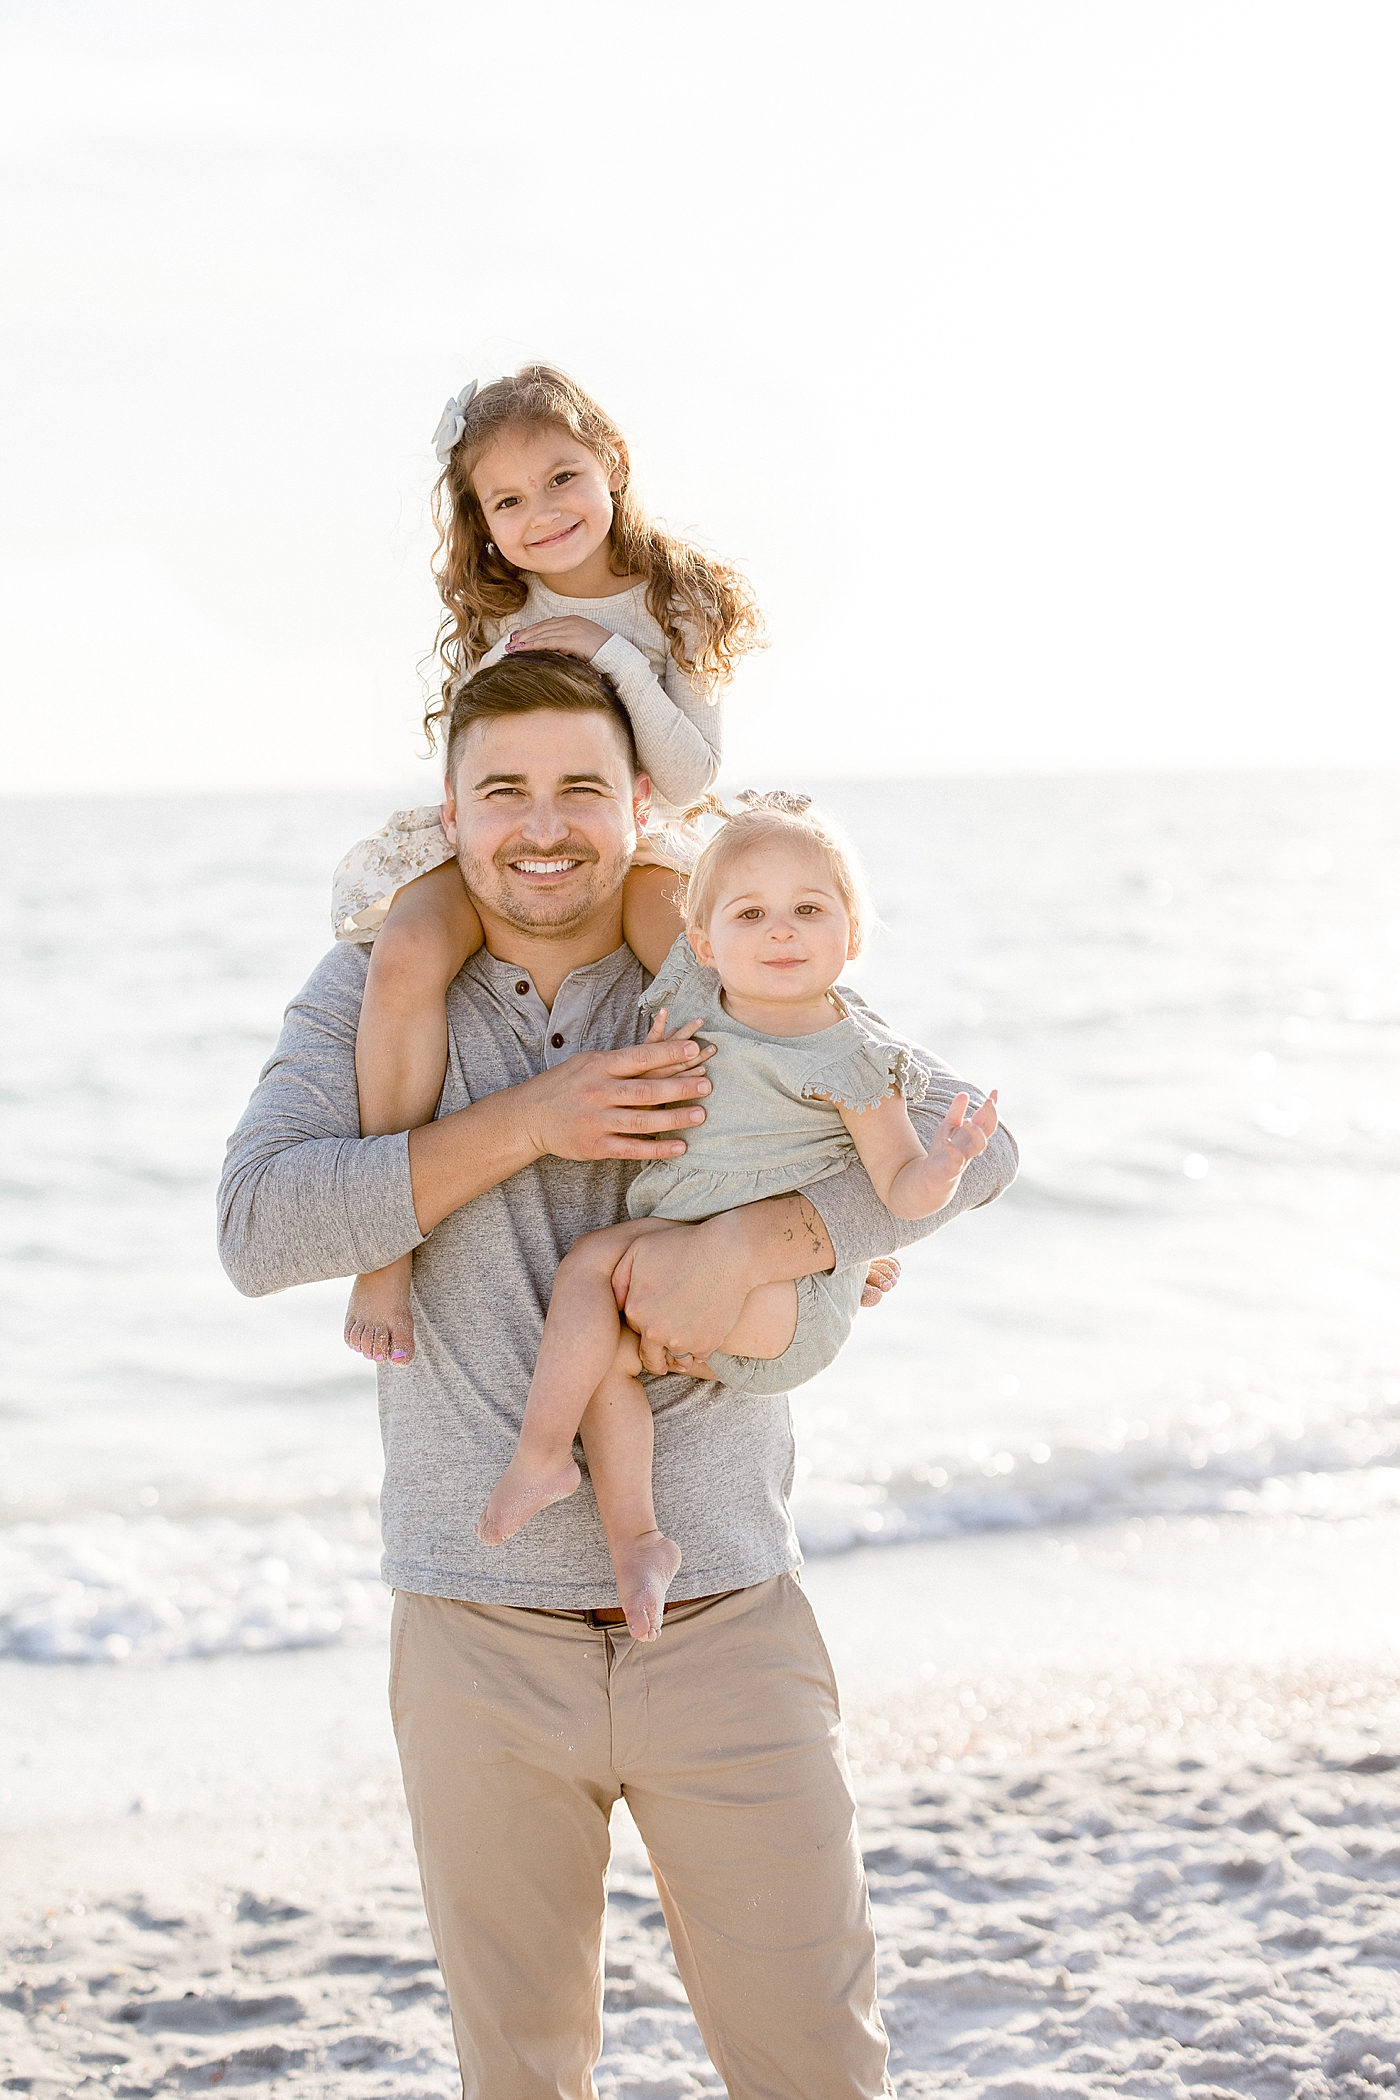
544,867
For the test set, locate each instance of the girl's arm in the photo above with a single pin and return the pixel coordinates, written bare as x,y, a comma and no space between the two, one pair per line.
910,1182
653,913
678,730
401,1043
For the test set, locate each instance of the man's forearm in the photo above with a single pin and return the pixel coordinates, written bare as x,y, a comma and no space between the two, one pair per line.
778,1240
468,1152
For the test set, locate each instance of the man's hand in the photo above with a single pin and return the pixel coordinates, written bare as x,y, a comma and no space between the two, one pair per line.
602,1104
618,1104
570,636
683,1290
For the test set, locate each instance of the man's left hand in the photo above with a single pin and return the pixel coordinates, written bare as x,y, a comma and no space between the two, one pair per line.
683,1296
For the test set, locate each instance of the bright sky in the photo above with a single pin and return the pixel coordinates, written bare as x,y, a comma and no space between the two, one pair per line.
1038,362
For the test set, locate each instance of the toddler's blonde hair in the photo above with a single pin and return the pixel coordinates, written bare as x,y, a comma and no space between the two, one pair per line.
479,587
775,819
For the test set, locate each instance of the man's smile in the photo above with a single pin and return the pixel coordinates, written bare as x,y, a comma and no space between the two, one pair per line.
546,870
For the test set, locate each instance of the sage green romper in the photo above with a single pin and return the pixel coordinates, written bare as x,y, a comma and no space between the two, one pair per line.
765,1134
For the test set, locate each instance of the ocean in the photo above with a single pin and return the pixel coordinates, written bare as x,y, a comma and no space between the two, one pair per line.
1186,987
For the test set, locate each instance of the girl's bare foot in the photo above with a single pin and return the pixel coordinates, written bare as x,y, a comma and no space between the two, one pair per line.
883,1276
521,1491
378,1322
644,1568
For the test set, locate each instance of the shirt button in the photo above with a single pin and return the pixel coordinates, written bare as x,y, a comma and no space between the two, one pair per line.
523,986
558,1041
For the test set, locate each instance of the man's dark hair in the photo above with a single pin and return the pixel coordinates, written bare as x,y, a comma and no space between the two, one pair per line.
534,679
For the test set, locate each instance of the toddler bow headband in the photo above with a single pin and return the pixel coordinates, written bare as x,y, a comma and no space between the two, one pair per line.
454,422
784,799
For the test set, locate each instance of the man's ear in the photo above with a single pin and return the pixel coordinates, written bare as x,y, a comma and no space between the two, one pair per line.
449,811
641,800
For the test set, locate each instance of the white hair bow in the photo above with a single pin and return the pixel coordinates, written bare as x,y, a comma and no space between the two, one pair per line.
454,422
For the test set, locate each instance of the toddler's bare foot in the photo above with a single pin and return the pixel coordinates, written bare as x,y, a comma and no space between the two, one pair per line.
378,1322
521,1491
644,1568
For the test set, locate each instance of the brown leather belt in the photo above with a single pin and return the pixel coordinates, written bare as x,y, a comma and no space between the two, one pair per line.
613,1614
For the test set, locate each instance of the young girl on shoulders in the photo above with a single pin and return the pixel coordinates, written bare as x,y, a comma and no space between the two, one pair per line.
807,1082
542,544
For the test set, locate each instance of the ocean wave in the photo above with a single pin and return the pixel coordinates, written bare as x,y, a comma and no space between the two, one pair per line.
108,1589
153,1589
1328,1469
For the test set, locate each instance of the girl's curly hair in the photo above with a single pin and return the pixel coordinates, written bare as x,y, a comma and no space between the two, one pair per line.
477,587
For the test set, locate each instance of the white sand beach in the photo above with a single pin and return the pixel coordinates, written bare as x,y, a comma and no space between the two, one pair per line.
1129,1814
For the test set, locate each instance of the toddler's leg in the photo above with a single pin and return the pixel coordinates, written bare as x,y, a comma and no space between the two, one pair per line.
400,1064
617,1435
765,1327
767,1323
576,1353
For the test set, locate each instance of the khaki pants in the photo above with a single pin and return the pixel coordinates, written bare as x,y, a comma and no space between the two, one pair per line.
518,1730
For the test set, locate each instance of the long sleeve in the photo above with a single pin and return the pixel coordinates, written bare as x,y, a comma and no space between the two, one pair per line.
303,1196
679,732
857,1222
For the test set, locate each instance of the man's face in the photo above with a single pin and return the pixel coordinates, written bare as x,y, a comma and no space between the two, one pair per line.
544,814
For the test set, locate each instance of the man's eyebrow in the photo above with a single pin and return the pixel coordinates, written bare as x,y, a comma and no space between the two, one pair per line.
507,488
518,780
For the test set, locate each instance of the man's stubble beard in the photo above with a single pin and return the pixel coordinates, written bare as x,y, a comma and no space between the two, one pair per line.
542,911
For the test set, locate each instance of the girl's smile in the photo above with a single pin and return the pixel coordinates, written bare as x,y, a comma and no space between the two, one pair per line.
547,505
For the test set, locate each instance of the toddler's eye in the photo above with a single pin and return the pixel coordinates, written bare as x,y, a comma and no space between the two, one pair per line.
566,475
506,502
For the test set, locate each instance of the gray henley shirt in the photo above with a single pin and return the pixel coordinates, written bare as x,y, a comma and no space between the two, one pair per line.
304,1197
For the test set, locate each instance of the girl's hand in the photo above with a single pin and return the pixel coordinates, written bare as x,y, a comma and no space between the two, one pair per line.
571,637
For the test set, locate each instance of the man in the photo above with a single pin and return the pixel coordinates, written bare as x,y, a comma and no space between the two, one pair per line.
521,1705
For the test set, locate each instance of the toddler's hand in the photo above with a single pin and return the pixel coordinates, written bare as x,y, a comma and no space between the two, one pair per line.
660,1033
571,637
964,1136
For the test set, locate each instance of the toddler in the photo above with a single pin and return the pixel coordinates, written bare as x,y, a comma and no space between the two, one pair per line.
802,1087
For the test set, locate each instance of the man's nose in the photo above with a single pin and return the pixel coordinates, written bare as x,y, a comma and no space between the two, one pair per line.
545,825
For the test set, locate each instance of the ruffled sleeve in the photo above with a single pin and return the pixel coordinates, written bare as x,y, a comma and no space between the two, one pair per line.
859,1075
682,985
363,886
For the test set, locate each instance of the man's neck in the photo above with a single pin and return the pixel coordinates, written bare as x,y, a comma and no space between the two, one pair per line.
551,957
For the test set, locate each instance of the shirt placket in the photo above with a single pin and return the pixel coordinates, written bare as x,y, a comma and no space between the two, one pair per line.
562,1028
